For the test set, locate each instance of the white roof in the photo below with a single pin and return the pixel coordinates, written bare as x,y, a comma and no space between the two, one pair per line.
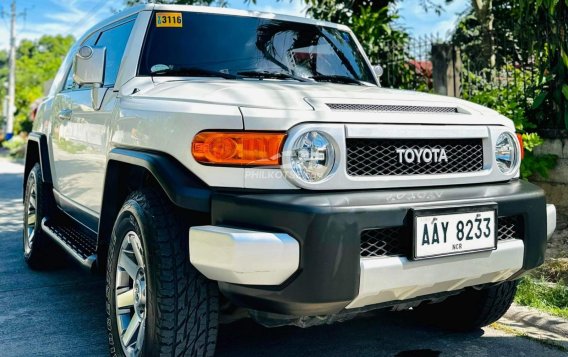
210,10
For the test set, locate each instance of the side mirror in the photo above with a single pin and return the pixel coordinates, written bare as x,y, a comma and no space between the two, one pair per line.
89,66
378,69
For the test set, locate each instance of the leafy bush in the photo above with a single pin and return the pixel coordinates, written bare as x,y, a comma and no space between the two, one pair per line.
536,164
16,146
508,100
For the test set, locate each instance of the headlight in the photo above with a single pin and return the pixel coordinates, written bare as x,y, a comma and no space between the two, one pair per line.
506,153
312,156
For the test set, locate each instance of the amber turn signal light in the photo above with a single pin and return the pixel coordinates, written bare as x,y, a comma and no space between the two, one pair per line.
520,137
237,148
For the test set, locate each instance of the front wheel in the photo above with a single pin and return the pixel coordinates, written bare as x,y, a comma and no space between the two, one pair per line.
471,309
40,251
157,302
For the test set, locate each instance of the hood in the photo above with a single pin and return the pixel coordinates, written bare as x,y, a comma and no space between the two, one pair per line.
259,96
288,95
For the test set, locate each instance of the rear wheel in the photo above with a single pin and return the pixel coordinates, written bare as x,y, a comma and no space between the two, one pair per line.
40,251
157,302
470,309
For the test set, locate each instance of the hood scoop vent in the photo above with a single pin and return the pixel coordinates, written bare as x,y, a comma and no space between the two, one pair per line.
390,108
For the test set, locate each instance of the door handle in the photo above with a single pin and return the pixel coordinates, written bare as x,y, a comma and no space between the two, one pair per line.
65,114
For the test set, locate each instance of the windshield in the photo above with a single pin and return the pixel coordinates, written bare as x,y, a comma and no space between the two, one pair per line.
203,44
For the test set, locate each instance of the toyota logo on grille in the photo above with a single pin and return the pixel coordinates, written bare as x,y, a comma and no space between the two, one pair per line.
421,155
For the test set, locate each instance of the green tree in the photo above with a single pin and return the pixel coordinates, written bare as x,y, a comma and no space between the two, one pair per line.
36,63
3,79
529,34
373,24
544,28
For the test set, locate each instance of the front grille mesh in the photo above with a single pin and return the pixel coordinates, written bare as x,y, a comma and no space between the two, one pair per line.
390,108
511,227
397,241
379,157
384,242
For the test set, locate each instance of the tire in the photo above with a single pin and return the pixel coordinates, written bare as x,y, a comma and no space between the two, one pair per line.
40,251
471,309
179,316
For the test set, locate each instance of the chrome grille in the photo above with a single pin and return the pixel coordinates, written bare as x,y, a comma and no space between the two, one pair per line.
390,108
397,241
378,157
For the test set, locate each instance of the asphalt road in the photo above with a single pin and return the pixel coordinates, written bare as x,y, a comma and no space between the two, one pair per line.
61,313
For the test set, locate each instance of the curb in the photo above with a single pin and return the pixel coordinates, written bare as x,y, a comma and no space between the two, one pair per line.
536,318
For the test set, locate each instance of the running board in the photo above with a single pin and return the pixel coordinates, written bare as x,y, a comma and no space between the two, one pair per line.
75,240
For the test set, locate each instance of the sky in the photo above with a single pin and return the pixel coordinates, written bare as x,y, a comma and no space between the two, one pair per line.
76,16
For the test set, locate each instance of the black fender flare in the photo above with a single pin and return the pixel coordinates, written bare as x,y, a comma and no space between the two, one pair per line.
181,186
37,151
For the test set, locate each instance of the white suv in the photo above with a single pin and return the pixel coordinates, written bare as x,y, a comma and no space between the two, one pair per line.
210,158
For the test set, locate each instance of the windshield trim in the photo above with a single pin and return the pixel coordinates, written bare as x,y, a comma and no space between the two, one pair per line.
247,13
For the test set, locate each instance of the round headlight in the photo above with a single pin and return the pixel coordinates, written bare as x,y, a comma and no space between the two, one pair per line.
312,156
506,153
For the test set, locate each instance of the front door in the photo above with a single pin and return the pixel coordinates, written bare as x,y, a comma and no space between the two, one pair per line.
79,143
80,131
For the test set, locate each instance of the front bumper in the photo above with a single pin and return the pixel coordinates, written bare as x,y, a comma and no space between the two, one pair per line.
331,275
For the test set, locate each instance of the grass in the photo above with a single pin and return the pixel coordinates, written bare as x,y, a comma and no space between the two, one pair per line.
554,270
543,295
512,331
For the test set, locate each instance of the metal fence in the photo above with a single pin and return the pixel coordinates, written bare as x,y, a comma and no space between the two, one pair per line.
429,64
409,66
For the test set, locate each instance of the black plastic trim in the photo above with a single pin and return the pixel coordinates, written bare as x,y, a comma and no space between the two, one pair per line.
328,228
182,187
40,140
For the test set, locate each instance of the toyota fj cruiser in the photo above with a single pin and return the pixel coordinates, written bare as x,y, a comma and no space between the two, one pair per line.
210,158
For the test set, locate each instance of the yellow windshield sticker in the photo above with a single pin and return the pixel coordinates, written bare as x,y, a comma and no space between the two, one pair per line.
169,19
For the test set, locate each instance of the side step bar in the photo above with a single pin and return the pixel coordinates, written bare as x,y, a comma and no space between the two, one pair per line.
75,240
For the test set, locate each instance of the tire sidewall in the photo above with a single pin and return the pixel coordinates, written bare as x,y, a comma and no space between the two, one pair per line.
131,218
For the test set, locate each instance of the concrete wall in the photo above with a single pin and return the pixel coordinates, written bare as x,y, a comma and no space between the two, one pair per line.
556,186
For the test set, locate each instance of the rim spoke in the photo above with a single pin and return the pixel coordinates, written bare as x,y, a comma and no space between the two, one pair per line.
125,299
122,281
140,338
32,200
133,327
137,252
31,219
126,263
31,234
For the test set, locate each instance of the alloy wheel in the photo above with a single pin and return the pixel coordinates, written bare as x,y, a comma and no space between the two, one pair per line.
130,294
30,218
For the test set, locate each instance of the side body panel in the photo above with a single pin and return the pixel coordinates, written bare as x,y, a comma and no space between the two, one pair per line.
79,145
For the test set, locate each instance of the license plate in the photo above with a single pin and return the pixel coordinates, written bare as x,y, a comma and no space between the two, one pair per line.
444,232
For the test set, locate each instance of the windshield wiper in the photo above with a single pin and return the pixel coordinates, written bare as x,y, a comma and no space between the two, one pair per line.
270,75
336,79
193,72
